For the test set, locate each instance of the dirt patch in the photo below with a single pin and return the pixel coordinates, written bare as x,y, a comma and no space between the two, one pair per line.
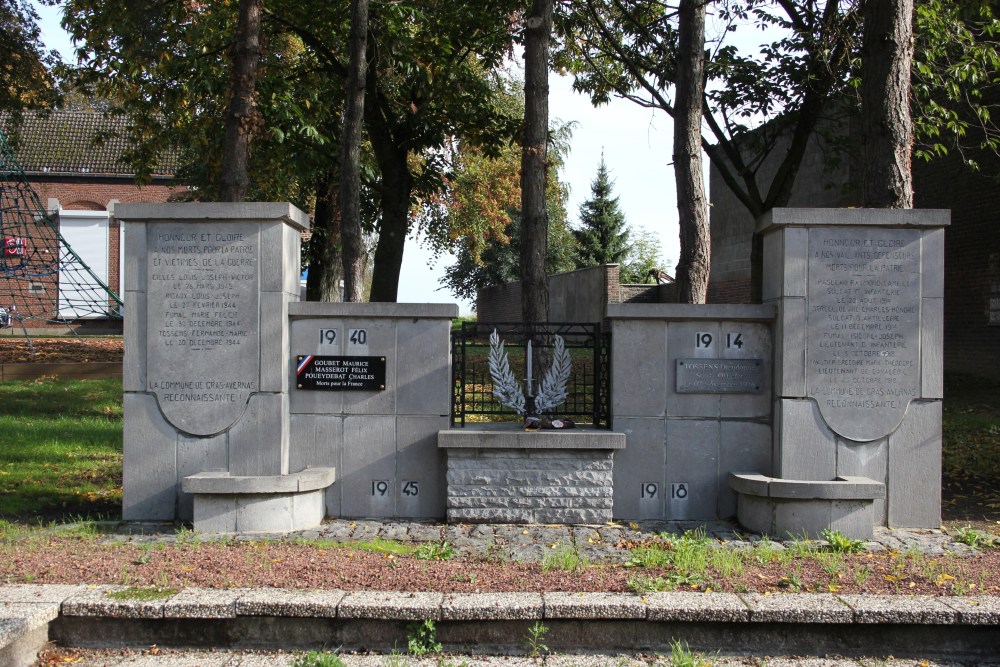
303,565
60,350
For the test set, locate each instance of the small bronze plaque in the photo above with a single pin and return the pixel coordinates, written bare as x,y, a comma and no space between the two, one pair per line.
340,373
720,376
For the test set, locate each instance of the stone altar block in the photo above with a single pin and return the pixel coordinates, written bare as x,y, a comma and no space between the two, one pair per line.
506,475
858,367
207,291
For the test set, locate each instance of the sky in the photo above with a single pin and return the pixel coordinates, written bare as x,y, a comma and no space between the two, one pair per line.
636,143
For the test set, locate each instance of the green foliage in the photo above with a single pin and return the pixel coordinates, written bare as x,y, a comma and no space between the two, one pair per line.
379,545
808,63
650,555
434,551
681,655
840,543
499,262
955,78
431,81
971,428
61,457
643,256
603,237
974,538
536,640
668,582
478,217
26,80
686,558
319,659
421,638
564,557
142,594
628,50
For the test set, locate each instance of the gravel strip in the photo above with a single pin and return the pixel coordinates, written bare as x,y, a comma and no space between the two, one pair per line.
289,602
594,605
899,609
492,606
392,606
797,608
710,607
98,602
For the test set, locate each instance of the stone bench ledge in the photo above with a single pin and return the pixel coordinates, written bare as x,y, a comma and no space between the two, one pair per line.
841,488
541,439
393,605
221,482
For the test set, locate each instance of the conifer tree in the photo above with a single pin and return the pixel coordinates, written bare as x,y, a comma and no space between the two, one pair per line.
603,238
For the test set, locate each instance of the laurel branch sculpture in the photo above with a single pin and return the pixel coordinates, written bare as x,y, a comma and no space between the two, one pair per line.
552,392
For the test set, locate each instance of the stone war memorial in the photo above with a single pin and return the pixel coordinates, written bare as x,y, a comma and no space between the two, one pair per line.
247,410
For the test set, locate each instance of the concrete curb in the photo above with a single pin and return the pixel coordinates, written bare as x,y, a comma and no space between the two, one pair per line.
966,627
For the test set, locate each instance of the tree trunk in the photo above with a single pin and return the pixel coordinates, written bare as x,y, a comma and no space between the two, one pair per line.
350,170
323,283
887,54
396,187
534,152
693,265
241,116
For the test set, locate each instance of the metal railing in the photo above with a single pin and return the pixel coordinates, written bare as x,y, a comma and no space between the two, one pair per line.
588,388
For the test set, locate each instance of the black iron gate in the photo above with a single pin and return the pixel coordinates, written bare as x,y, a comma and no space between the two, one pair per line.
588,389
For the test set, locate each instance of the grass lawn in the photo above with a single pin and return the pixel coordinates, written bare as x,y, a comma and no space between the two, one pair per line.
60,449
971,459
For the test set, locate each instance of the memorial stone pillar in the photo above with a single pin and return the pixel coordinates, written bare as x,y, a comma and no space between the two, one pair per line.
858,359
207,288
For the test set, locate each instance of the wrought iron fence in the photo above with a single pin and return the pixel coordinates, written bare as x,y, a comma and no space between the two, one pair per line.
588,387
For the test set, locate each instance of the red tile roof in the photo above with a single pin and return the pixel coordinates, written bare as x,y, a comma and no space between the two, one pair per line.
72,142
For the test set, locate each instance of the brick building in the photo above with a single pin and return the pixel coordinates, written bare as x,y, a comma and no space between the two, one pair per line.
73,162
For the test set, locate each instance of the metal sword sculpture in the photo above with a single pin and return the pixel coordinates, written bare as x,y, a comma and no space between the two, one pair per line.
552,390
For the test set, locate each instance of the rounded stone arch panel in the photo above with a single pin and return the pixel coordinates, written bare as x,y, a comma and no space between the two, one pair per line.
84,205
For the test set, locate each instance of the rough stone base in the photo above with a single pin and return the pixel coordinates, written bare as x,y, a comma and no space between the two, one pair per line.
508,480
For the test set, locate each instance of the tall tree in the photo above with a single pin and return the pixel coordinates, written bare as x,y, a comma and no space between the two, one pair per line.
494,258
25,74
242,120
887,55
350,167
499,261
631,50
534,151
324,246
603,237
692,206
477,217
430,77
437,63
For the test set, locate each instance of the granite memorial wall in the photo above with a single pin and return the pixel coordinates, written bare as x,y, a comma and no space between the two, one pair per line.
858,366
246,410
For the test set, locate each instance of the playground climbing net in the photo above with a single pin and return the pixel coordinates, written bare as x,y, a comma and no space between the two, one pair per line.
42,279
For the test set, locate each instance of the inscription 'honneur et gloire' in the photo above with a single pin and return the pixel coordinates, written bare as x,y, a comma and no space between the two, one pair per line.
202,316
863,321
